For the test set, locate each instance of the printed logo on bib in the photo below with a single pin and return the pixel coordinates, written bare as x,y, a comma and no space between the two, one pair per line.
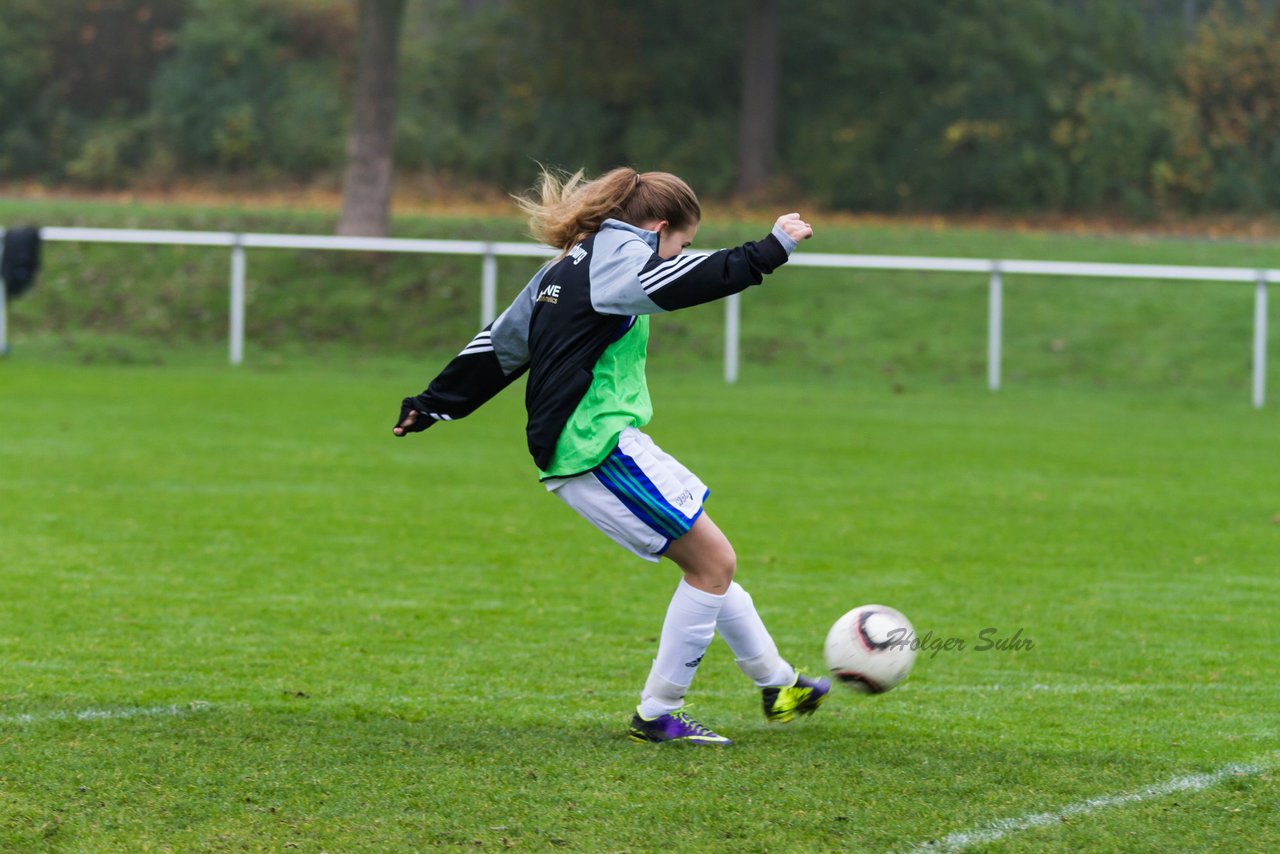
577,253
551,294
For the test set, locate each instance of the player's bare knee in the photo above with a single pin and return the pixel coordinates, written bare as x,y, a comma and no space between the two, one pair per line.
728,563
714,569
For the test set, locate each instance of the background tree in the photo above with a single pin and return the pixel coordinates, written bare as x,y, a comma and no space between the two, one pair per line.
889,105
1228,136
758,121
366,188
248,93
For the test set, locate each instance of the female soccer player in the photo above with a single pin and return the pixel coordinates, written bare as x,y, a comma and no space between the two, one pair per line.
580,328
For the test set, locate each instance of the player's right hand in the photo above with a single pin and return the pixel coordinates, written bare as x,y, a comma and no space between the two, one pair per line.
411,420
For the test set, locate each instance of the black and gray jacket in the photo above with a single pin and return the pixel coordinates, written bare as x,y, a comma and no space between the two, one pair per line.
575,307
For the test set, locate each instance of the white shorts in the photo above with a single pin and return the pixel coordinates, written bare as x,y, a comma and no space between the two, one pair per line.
641,497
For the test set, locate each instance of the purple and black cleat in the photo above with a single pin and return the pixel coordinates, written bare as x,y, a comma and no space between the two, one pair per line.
675,727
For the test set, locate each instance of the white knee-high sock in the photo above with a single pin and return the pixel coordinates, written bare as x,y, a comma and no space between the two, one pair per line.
752,645
686,633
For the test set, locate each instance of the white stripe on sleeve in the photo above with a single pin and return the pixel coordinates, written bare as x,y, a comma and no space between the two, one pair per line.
482,343
665,274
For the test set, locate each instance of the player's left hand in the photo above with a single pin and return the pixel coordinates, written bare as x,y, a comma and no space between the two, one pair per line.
795,228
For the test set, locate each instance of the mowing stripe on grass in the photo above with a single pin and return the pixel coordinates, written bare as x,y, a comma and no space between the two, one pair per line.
1088,688
107,714
1006,826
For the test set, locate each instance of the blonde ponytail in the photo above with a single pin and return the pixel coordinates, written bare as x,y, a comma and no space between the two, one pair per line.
568,209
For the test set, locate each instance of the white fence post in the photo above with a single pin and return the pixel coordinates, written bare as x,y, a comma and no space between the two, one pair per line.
488,287
1260,341
995,327
236,333
732,321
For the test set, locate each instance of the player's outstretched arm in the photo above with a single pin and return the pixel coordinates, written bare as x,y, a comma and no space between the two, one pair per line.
491,361
691,279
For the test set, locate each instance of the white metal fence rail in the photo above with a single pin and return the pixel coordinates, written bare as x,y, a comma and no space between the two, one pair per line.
489,252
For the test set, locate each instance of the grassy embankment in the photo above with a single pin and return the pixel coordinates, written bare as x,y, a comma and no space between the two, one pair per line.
161,304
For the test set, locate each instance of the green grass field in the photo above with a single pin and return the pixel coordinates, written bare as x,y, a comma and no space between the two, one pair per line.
239,615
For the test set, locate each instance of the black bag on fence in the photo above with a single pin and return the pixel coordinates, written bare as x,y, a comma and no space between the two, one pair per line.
21,260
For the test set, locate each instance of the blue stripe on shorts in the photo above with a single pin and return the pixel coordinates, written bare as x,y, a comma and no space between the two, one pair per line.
623,477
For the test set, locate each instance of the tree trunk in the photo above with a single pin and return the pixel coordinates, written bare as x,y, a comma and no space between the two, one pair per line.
758,120
366,187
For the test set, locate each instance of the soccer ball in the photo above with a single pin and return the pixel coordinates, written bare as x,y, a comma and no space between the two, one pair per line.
871,649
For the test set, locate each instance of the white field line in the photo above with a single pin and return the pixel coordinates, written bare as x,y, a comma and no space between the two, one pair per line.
106,714
1001,828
